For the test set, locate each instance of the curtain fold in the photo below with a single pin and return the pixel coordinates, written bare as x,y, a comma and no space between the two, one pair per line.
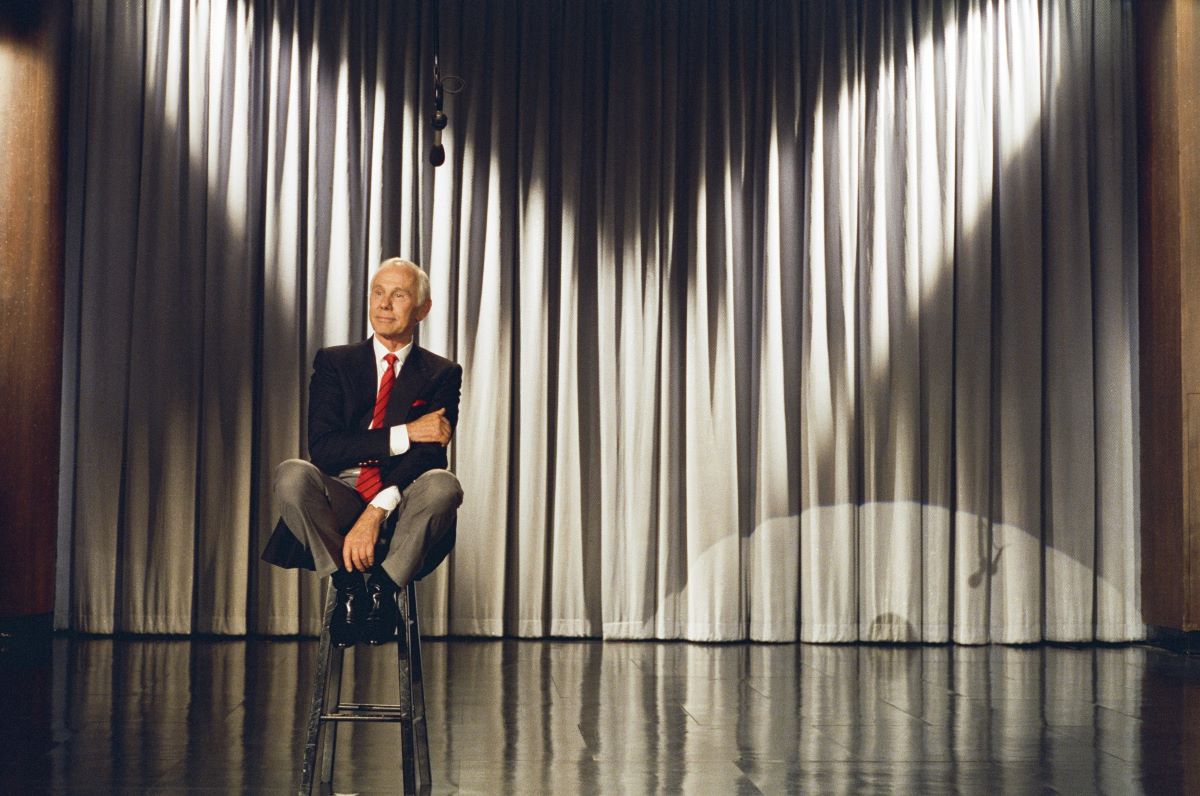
778,321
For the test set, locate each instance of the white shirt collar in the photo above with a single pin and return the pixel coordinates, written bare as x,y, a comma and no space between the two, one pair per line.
381,351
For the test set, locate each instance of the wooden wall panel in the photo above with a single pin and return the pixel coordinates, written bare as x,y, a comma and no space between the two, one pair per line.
1188,93
1169,253
33,81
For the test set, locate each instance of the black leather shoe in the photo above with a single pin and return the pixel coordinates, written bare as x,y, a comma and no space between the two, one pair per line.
379,625
349,609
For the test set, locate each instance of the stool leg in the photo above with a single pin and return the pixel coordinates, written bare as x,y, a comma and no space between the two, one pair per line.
317,707
406,701
420,732
333,704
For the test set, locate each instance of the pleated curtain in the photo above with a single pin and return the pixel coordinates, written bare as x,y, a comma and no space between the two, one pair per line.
779,320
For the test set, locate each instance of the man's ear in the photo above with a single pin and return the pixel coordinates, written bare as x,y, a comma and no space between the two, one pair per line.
423,310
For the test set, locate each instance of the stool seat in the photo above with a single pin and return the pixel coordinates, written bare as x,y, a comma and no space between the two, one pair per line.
327,708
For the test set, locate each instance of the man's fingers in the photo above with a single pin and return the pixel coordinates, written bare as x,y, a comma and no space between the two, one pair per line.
433,427
358,555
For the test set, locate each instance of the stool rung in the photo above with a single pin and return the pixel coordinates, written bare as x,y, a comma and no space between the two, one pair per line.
365,715
366,706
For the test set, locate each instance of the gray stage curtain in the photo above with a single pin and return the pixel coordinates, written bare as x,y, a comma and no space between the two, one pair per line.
779,320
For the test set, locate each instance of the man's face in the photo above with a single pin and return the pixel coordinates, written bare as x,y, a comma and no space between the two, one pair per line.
394,311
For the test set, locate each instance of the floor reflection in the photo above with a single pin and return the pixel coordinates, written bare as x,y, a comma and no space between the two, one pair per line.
150,715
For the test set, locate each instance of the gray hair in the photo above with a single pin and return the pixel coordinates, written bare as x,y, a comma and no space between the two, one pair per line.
417,272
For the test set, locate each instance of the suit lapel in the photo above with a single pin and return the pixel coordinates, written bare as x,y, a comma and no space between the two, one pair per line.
412,379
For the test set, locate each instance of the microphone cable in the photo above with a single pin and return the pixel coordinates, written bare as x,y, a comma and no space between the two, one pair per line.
450,84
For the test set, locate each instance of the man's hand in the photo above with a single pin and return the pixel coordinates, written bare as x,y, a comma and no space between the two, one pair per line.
358,548
433,427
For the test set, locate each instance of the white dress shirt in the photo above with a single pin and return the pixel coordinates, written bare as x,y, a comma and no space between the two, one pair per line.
388,497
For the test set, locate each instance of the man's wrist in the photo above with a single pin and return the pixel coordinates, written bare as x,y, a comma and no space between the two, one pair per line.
398,441
387,500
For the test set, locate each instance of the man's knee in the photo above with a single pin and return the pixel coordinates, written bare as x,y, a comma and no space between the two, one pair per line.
440,491
295,479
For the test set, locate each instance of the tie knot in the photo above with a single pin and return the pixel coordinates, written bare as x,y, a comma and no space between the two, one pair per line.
390,359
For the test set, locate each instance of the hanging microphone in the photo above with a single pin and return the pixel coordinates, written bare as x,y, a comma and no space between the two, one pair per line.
451,85
437,155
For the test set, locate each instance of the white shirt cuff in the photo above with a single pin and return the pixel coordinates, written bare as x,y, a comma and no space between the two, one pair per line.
387,499
399,439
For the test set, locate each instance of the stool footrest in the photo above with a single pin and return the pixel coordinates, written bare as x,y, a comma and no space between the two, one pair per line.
344,706
366,715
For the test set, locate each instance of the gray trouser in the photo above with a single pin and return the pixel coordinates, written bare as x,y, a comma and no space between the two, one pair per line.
320,510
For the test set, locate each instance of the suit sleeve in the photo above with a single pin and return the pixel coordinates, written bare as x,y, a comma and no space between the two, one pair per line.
448,393
332,443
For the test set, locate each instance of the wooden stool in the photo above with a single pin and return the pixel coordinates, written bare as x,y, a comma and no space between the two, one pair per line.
328,707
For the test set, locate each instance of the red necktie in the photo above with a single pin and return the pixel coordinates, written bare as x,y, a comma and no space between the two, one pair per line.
369,482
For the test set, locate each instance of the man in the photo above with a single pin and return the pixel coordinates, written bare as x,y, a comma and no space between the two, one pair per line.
380,414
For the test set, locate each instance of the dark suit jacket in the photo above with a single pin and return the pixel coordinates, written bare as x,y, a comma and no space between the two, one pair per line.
341,400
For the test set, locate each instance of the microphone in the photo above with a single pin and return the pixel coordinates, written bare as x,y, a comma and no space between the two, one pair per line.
437,155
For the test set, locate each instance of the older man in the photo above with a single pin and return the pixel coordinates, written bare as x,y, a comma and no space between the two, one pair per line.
380,414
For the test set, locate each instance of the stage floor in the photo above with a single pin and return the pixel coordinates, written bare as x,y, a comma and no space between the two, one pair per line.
163,715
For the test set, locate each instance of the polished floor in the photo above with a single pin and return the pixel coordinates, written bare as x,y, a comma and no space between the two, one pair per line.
101,715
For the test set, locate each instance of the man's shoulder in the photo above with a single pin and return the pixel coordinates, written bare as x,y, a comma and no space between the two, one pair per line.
341,353
435,363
